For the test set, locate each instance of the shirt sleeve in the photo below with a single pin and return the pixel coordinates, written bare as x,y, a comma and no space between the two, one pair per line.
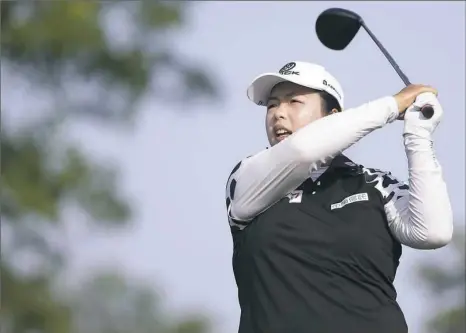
418,211
258,182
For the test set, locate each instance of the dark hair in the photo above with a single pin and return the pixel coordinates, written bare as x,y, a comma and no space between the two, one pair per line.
328,102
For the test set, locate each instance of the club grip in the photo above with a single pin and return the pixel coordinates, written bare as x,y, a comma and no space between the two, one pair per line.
427,111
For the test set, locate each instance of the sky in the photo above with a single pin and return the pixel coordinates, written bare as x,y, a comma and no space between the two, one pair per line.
174,165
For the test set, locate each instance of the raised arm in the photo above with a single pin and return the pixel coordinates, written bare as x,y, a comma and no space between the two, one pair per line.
263,179
420,214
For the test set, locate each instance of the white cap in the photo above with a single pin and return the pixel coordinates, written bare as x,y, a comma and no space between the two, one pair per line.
303,73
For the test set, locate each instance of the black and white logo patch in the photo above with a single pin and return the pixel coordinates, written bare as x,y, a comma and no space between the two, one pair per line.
287,69
295,196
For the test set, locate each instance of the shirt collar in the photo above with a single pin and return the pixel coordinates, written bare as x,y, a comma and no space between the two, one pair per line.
343,162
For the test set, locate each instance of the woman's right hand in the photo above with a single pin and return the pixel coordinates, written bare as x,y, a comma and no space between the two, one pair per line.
407,96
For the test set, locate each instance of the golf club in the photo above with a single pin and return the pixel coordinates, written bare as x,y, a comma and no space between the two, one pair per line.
336,28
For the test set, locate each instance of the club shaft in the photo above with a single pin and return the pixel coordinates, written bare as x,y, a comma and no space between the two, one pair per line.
426,110
387,55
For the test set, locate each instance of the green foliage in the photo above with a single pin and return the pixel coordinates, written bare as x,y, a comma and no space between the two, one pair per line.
93,59
117,50
27,303
447,285
109,302
33,185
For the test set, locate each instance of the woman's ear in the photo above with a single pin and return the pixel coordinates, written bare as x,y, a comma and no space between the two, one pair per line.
333,111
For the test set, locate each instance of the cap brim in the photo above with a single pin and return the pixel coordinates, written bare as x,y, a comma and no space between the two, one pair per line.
260,88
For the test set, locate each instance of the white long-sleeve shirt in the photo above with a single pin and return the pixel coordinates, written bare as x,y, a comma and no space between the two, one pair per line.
419,215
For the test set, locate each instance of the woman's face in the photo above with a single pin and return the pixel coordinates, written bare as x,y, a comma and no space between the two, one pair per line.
289,108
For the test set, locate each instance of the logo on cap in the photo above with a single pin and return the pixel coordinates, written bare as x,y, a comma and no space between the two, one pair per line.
287,69
325,83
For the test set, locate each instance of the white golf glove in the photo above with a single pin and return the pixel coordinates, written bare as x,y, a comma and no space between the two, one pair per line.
415,123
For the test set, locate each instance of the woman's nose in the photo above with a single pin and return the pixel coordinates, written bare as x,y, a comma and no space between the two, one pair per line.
281,112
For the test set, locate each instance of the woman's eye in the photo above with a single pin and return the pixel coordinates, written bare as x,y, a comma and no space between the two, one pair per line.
270,106
295,101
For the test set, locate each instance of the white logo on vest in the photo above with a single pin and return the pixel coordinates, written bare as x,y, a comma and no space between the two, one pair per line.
351,199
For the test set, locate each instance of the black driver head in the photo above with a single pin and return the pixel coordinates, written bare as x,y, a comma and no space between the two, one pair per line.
336,27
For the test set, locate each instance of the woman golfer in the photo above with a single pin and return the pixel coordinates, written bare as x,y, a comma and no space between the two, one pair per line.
318,237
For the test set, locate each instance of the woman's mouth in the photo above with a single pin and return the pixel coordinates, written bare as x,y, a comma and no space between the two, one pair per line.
282,134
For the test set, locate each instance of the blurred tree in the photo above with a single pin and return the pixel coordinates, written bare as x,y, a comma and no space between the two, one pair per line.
29,305
110,303
447,285
100,57
92,59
